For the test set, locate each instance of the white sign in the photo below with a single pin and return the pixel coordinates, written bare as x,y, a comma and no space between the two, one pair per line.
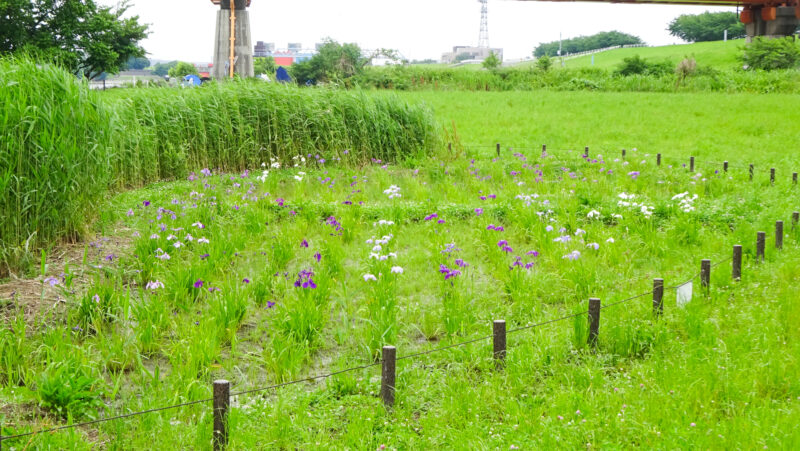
684,294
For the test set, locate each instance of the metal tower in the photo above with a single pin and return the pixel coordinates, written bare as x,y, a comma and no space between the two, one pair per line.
483,39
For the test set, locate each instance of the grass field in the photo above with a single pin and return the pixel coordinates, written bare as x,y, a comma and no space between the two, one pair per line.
303,267
746,128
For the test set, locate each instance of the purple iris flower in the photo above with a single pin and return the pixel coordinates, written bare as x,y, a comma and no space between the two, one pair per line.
304,243
146,203
431,216
304,279
502,243
478,211
270,304
318,257
245,280
198,284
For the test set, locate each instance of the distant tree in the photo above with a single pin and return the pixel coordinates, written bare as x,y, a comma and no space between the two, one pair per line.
182,69
79,35
586,43
491,61
544,63
137,63
265,65
332,62
162,69
707,27
771,54
463,57
425,61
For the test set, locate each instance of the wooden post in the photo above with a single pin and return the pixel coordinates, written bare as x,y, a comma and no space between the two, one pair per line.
761,239
795,219
725,166
705,273
544,150
498,149
736,272
499,336
586,152
691,164
388,373
222,399
752,169
623,154
658,297
772,176
779,235
594,321
794,178
658,160
449,147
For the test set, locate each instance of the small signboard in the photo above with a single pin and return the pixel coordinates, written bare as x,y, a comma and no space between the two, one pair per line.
684,294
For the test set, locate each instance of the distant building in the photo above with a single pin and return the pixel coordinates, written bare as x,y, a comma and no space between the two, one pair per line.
295,53
263,49
204,70
462,53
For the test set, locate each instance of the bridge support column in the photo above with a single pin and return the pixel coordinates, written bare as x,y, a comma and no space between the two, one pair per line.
243,49
770,21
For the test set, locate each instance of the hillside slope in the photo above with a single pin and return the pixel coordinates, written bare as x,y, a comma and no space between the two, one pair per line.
719,54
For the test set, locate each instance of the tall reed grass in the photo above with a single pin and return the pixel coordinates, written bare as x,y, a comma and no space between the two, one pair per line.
63,146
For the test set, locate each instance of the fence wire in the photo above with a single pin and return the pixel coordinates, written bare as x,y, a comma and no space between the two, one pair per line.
682,160
347,370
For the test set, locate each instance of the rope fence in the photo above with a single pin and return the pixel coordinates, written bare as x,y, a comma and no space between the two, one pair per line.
659,157
222,393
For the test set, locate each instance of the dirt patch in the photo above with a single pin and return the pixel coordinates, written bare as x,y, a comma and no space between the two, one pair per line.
46,295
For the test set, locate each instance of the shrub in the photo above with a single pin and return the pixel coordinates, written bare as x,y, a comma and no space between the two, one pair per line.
491,61
636,65
771,54
544,63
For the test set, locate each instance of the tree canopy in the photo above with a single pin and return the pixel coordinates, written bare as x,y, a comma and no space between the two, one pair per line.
707,27
182,69
162,69
137,63
586,43
332,62
80,35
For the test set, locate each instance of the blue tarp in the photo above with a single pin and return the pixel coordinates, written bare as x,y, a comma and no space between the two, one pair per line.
193,80
282,75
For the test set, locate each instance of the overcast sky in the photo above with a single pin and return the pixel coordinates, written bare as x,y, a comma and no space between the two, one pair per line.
184,29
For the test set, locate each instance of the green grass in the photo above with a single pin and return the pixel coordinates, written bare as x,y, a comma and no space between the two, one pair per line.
742,128
718,55
716,374
62,146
